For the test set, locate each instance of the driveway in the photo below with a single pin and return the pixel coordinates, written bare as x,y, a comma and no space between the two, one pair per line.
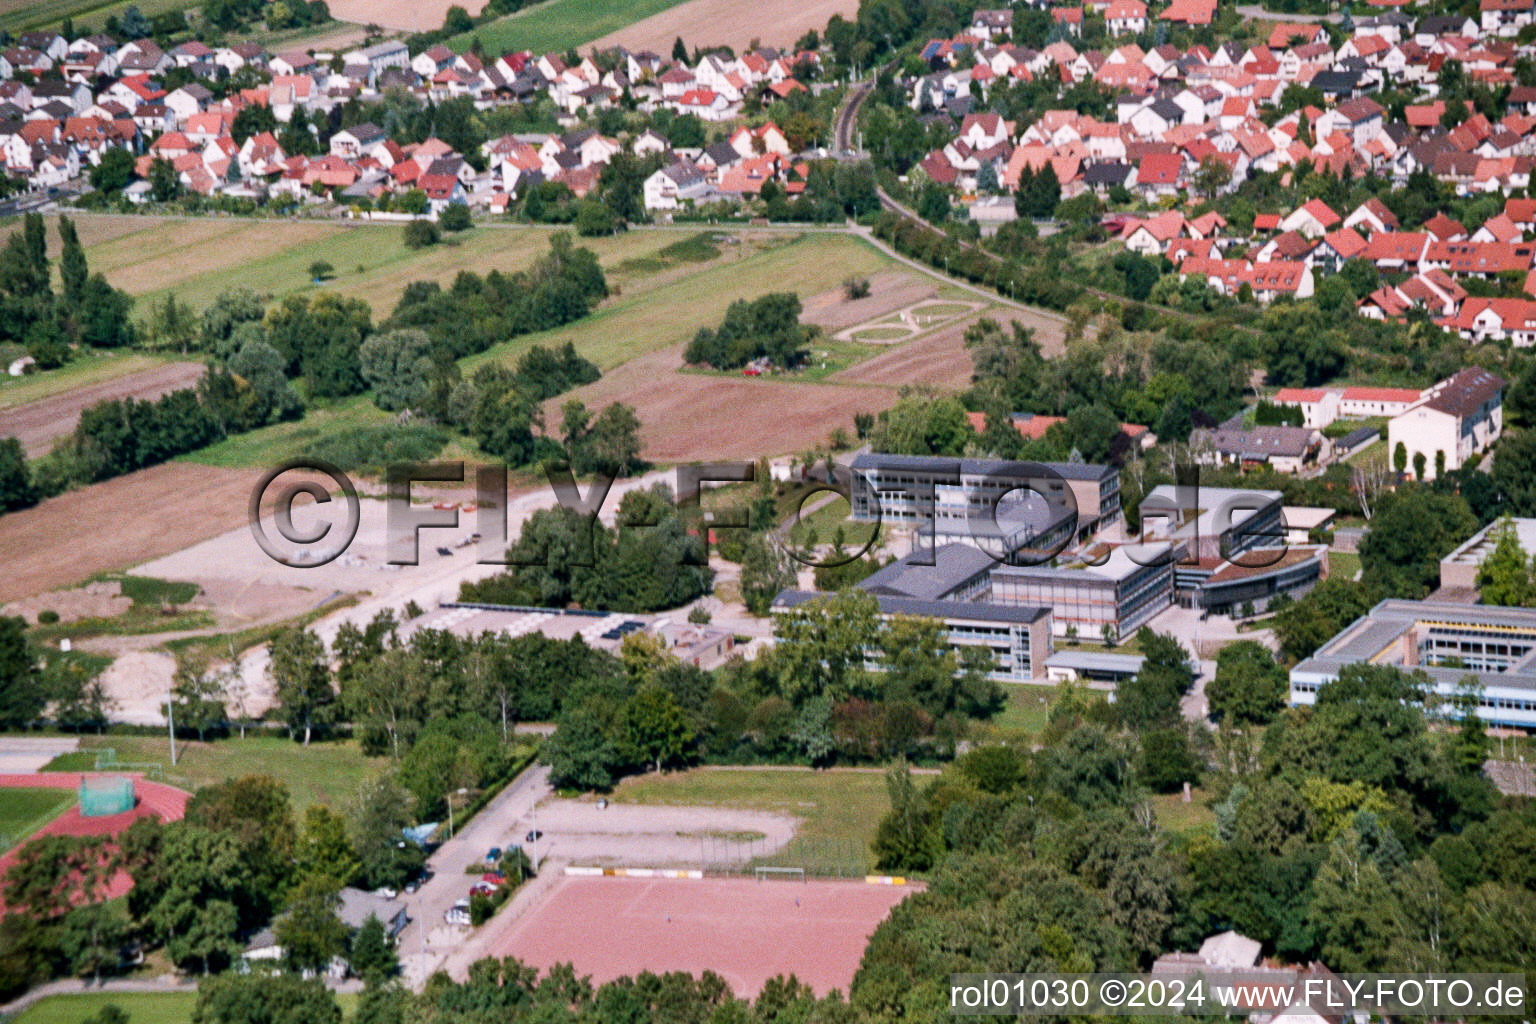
428,940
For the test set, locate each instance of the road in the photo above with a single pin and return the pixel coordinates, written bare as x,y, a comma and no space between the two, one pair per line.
428,941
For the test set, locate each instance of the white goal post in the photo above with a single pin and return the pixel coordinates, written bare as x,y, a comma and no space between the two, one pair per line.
763,873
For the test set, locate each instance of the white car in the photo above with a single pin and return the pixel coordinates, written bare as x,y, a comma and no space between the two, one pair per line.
458,914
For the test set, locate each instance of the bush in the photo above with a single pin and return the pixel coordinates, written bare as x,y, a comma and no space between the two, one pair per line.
594,218
421,233
481,908
856,288
455,218
47,617
370,449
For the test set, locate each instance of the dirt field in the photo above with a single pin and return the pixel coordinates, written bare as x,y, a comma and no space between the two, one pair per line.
744,930
732,22
686,417
658,837
118,523
411,16
939,359
39,424
888,292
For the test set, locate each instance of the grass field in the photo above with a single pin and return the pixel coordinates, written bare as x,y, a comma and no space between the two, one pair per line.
1177,816
21,15
88,368
835,808
322,773
669,308
24,811
559,25
141,1007
1027,710
1343,564
198,258
825,522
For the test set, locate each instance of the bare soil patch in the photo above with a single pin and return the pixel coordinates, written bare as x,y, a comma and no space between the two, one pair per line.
39,424
118,523
888,292
100,600
686,417
412,16
734,23
940,359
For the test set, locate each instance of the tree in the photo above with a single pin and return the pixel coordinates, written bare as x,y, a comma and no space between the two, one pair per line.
455,218
1514,471
1250,687
372,957
21,698
609,445
384,855
457,21
72,266
1211,177
324,851
595,218
764,573
198,696
580,753
398,367
1400,458
1504,577
656,726
164,182
305,696
263,998
1166,760
679,51
320,270
1307,624
16,490
114,172
1400,556
187,896
310,932
92,937
421,233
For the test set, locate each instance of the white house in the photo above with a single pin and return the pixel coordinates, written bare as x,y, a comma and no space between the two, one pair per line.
1461,416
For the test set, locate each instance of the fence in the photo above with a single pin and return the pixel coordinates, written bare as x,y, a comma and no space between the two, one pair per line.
819,858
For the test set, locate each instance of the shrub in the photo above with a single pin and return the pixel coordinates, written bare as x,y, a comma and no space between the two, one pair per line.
421,233
856,288
47,617
455,218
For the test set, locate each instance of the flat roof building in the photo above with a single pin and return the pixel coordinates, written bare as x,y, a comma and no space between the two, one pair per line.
1458,570
1447,642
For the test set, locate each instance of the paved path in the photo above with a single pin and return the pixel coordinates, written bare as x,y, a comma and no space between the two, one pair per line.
427,940
1256,12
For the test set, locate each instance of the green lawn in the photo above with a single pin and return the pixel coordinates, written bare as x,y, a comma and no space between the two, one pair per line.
667,310
827,519
838,810
322,773
90,367
24,811
1177,816
1027,709
141,1007
259,449
559,25
1343,564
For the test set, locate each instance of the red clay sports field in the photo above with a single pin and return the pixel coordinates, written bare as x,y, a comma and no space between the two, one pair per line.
744,930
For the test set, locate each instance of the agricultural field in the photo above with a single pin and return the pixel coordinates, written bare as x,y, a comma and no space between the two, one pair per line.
553,26
85,370
21,15
837,810
39,424
24,811
329,773
119,523
774,23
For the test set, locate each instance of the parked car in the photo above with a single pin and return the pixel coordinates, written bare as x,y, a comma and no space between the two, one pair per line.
493,877
458,913
483,887
389,892
533,836
493,855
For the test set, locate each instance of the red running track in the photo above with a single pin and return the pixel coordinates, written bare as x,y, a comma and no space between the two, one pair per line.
744,930
151,799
